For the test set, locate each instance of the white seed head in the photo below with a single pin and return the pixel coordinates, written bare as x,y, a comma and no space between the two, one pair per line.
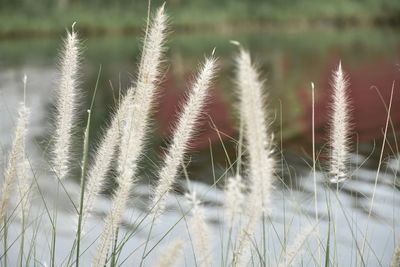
296,248
234,198
133,128
66,106
182,135
340,128
200,232
258,140
16,166
170,256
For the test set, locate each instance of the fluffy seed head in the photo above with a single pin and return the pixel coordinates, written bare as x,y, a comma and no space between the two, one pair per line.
256,133
135,122
134,127
170,256
296,248
182,135
103,157
200,232
66,105
259,144
234,198
16,165
340,128
396,257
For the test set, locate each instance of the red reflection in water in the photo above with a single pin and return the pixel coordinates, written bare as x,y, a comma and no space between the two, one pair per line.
368,115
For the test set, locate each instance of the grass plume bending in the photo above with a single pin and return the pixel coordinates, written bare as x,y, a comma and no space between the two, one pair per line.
182,135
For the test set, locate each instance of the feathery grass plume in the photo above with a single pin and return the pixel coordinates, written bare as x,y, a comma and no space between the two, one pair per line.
133,130
66,104
16,161
259,146
340,128
296,248
234,198
396,257
200,232
170,256
103,157
182,135
24,187
149,71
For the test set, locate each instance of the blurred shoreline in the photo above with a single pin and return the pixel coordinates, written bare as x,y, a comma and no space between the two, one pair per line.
23,22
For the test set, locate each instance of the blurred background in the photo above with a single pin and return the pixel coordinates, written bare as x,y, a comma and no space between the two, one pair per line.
293,42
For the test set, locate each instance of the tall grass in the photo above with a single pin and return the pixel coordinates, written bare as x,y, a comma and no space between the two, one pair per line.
247,201
133,132
259,145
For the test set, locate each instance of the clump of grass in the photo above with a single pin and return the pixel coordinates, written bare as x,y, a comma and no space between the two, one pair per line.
133,131
247,200
138,98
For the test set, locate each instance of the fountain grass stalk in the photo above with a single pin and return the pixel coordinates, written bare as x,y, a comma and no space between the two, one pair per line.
133,131
65,120
259,146
83,172
183,133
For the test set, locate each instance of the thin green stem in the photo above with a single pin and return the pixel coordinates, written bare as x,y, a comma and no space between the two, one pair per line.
84,170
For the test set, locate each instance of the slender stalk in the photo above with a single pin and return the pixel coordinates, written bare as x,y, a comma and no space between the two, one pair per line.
314,163
5,234
22,244
84,170
83,175
54,228
379,167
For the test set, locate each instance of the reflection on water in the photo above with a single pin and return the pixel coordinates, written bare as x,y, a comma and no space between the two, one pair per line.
290,61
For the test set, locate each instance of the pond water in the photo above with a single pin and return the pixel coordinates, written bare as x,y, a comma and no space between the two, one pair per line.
289,61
